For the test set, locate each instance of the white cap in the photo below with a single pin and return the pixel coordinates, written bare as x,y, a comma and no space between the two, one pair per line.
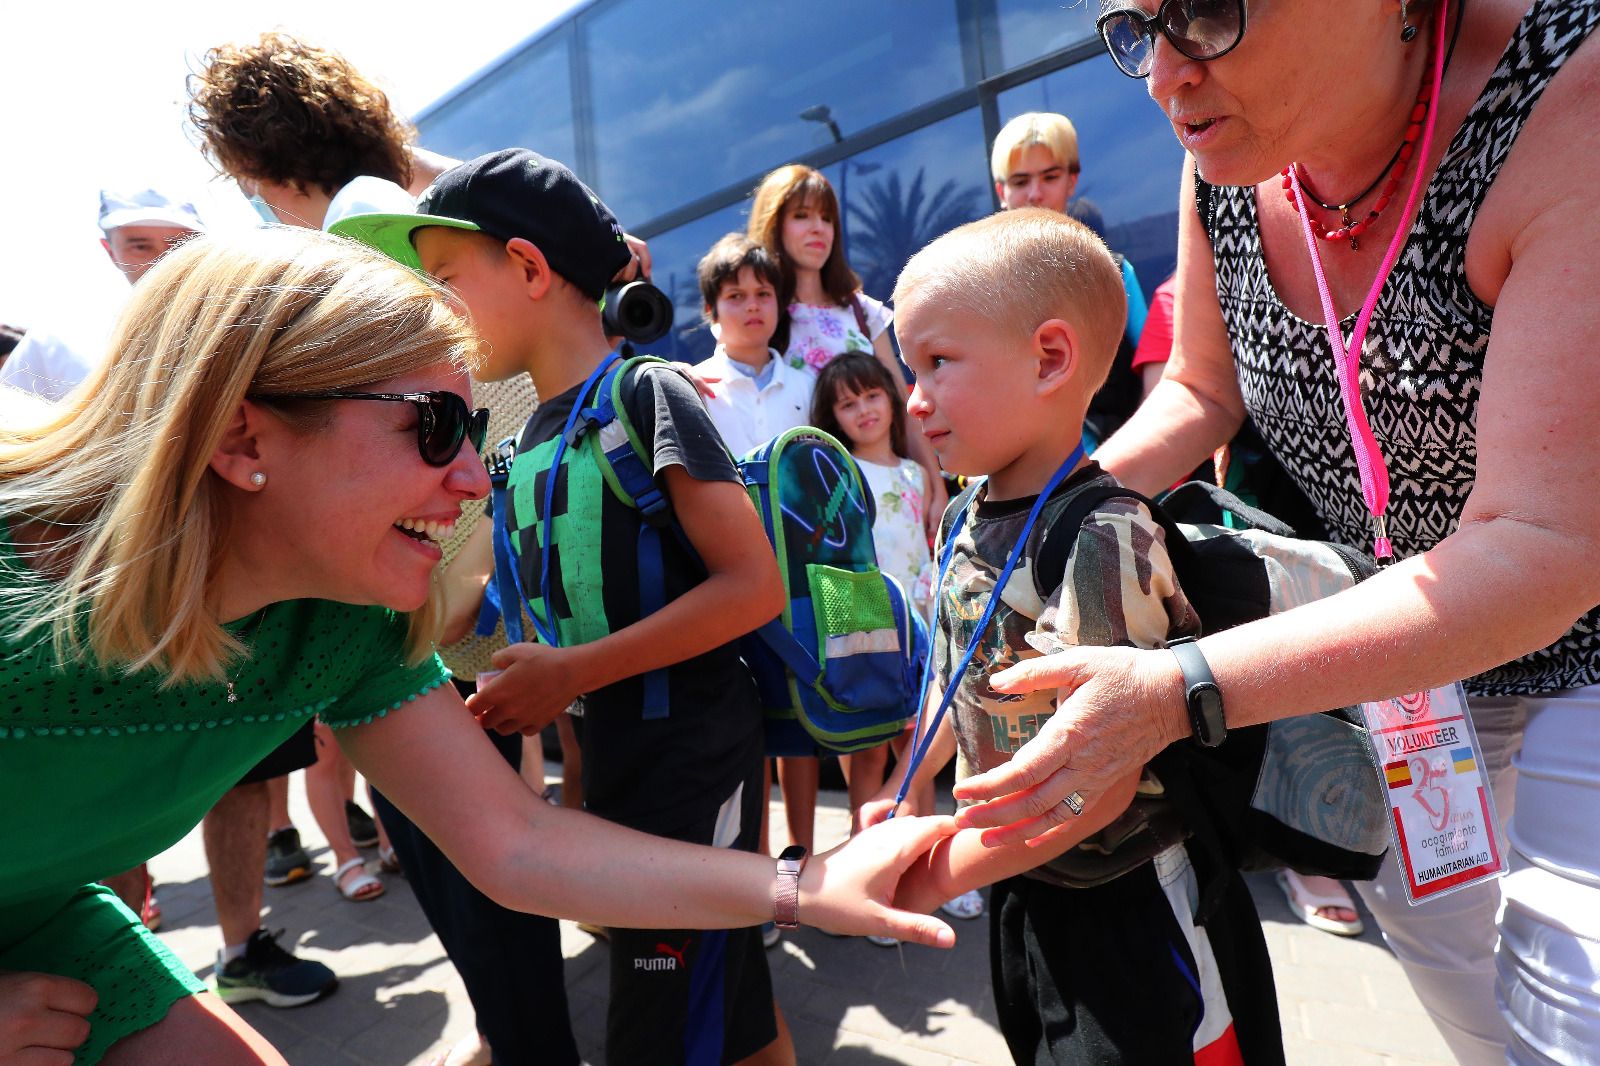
368,196
147,207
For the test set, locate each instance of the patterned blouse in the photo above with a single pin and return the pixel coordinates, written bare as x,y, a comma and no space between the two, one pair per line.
1422,361
818,335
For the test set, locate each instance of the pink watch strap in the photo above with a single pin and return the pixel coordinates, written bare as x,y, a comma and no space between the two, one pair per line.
786,887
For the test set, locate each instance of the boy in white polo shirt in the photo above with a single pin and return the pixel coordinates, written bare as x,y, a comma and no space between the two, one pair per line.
755,395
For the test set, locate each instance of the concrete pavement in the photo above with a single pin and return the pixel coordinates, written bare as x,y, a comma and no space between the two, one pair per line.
848,1002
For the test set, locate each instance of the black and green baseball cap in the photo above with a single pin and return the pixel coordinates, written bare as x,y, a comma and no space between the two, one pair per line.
506,194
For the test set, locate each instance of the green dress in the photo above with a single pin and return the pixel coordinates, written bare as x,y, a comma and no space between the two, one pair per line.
99,770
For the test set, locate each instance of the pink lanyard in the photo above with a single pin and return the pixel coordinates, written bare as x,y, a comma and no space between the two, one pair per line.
1369,460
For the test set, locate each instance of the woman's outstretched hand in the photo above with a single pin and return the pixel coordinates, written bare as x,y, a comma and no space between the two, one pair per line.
1118,708
851,889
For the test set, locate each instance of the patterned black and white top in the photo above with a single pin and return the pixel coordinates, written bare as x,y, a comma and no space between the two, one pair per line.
1422,361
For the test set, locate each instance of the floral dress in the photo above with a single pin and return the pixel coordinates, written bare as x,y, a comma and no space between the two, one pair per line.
818,335
897,493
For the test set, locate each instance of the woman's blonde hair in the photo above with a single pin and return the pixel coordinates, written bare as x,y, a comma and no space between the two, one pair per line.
120,469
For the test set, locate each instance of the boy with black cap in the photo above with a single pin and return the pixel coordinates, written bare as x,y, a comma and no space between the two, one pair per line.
530,251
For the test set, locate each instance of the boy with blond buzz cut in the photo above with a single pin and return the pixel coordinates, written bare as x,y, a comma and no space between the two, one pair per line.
529,250
1009,324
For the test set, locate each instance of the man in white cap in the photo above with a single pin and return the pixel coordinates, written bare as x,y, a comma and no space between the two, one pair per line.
139,229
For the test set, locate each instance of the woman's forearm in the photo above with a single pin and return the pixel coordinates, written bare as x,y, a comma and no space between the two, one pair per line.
1174,430
1485,595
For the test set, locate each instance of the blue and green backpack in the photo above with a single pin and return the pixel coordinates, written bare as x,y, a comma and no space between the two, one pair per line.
837,671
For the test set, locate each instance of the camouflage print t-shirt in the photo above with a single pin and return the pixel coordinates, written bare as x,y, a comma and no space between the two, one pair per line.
1111,585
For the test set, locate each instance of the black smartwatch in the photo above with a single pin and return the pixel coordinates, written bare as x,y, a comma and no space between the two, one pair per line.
1200,693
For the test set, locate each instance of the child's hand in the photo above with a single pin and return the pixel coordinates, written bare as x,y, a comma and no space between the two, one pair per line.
534,685
877,808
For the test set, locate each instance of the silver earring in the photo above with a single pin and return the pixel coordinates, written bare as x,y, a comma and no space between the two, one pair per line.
258,479
1408,32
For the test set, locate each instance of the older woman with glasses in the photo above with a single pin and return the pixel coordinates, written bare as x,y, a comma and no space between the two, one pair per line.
1405,182
228,530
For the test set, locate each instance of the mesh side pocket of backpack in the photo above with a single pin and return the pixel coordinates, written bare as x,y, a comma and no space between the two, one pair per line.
860,646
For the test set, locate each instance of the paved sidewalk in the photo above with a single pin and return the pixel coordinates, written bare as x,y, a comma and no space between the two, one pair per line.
849,1003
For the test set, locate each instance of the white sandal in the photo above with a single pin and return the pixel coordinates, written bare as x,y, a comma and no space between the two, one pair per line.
358,890
1308,905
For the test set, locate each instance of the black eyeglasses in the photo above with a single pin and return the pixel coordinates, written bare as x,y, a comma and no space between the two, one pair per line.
443,419
1200,29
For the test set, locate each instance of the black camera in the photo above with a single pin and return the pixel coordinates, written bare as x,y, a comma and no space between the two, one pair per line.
636,311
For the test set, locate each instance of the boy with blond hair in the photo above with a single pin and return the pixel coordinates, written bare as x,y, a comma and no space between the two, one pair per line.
1009,324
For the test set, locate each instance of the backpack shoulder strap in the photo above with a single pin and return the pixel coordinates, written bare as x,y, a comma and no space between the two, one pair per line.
962,501
1055,549
861,315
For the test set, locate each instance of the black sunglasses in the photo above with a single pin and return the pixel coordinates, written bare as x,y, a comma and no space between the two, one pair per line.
1200,29
443,419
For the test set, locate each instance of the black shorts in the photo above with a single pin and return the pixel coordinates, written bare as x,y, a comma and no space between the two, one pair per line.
296,753
1108,975
691,997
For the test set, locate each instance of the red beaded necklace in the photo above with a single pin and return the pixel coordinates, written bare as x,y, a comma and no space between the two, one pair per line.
1350,230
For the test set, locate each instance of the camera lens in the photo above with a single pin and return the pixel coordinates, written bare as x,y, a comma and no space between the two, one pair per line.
637,311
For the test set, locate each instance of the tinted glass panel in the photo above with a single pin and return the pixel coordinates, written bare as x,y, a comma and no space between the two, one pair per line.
673,258
527,103
1028,29
1131,161
723,101
901,195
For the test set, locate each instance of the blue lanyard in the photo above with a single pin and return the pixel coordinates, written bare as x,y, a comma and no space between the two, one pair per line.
547,626
922,741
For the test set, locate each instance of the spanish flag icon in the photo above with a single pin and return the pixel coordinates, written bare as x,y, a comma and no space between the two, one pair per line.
1398,774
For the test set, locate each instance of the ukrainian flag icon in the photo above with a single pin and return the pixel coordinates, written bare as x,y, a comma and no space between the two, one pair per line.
1463,761
1398,774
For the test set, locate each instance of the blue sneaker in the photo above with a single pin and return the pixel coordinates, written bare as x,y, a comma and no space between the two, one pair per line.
267,972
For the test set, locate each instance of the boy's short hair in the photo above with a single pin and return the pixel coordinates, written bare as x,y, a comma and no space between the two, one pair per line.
1020,268
731,254
1054,131
282,111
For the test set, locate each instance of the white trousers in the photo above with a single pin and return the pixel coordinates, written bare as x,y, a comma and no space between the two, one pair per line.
1510,970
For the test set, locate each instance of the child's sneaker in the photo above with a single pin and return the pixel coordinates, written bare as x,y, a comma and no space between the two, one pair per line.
287,861
267,972
363,830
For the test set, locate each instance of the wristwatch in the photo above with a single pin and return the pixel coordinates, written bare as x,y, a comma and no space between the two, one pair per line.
1200,693
786,887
